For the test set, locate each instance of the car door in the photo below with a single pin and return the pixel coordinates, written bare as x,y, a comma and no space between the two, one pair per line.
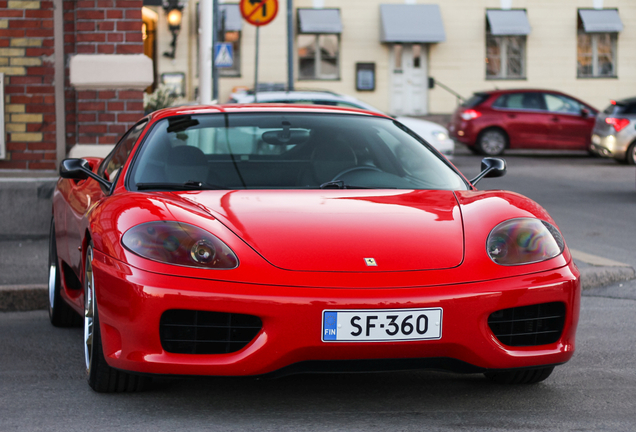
524,117
84,194
569,127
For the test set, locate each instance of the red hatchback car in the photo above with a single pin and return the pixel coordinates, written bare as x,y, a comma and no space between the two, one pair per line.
490,122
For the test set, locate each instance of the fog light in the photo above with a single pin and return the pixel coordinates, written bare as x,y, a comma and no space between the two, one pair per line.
460,133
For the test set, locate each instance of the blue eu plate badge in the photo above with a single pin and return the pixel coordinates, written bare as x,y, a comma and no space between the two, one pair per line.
330,323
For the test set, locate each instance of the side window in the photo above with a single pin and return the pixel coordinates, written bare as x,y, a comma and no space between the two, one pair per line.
562,104
533,101
117,158
511,100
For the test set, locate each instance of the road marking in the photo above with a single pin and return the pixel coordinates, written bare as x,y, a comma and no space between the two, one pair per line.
596,260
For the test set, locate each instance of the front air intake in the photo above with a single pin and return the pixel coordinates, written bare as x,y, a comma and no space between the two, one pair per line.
538,324
202,332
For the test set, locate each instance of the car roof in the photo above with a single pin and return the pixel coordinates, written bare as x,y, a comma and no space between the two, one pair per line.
626,101
259,108
517,90
300,95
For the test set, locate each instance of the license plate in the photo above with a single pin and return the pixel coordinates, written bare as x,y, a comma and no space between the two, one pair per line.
381,325
596,139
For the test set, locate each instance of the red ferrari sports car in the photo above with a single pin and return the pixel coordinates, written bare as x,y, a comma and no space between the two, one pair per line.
251,240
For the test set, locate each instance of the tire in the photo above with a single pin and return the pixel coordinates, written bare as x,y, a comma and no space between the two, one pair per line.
492,142
60,313
523,376
630,156
101,377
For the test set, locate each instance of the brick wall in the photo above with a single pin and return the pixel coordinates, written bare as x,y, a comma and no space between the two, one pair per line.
102,27
26,58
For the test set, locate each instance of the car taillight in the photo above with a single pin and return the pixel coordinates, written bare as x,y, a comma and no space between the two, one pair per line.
618,123
470,114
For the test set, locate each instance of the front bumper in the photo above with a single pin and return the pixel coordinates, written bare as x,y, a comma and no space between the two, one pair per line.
131,302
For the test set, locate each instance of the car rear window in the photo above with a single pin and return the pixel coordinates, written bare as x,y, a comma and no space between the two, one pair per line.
625,109
475,100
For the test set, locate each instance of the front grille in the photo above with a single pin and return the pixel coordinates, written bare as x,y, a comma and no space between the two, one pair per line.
538,324
202,332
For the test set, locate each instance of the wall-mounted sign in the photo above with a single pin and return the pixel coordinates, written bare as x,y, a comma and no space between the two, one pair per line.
175,81
259,12
365,76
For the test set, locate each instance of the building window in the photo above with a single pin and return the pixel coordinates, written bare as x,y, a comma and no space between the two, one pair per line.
505,57
235,70
506,32
319,56
319,44
596,55
596,42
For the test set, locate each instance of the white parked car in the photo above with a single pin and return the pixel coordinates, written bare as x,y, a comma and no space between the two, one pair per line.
433,133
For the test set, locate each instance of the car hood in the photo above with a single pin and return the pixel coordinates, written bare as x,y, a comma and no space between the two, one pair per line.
343,230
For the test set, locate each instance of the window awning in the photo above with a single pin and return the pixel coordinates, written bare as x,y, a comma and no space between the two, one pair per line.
417,23
233,19
508,22
601,20
319,21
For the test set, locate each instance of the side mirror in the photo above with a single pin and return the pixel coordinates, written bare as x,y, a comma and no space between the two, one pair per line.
78,169
585,113
491,167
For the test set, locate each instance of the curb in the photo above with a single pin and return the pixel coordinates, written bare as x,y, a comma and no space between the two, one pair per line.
14,298
23,297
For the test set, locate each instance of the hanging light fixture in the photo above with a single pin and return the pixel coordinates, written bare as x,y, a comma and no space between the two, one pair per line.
174,15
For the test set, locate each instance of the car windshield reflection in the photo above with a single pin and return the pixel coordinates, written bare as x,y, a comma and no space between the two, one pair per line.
288,151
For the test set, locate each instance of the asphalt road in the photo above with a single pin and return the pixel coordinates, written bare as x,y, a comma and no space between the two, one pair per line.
42,388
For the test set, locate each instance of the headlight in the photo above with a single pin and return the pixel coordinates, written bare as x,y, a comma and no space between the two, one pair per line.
524,241
439,135
179,244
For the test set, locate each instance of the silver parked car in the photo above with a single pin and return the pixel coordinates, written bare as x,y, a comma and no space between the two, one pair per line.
614,134
433,133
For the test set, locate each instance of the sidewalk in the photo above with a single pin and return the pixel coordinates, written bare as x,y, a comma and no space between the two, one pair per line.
23,273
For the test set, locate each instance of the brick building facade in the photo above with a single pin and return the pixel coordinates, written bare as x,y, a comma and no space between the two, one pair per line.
92,115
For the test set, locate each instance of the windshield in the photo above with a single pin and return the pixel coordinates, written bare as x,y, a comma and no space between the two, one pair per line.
287,151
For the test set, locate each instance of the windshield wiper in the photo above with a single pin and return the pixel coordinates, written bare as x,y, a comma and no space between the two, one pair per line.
189,185
339,184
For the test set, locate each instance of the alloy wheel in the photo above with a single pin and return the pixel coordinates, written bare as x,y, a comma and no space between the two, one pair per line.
492,143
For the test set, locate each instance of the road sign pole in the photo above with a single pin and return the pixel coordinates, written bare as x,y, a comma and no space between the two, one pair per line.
256,67
290,45
215,39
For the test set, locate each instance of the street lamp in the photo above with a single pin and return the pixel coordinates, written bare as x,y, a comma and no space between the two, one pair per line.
174,15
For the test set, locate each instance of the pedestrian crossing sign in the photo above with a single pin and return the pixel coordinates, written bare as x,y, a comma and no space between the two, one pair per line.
223,54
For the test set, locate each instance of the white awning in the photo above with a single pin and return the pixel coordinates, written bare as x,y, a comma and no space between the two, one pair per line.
508,22
233,19
319,21
417,23
601,20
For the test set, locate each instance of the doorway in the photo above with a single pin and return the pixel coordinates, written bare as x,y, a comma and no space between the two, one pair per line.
409,84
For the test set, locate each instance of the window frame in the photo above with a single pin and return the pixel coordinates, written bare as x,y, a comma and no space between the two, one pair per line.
317,58
120,144
594,37
503,42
